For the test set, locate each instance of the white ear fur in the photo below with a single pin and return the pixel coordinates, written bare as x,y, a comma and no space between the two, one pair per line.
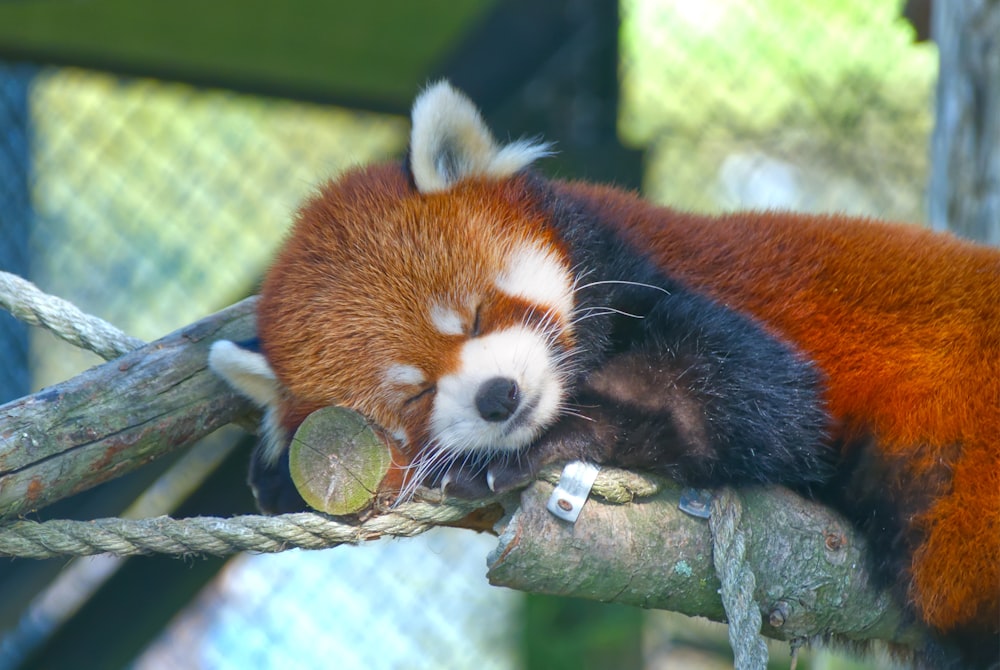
246,371
449,142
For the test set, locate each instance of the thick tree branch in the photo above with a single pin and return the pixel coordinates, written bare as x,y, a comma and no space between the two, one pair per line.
809,563
118,416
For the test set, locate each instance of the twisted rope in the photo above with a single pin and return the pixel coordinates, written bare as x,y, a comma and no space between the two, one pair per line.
256,533
729,544
213,535
26,302
618,487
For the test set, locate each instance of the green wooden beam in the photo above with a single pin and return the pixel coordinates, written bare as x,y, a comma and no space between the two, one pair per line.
374,54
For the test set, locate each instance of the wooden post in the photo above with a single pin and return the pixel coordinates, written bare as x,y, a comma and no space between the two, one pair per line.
964,193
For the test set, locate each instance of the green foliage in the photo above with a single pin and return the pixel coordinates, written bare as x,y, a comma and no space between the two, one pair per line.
573,634
368,50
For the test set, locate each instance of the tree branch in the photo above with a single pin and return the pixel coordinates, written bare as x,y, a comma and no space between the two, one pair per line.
118,416
809,563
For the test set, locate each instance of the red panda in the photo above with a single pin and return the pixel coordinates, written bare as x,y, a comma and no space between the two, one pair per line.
488,320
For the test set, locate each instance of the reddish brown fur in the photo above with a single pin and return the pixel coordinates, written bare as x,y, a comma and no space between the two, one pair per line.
906,325
315,328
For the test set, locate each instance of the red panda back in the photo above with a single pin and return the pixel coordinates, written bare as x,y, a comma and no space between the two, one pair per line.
430,299
905,323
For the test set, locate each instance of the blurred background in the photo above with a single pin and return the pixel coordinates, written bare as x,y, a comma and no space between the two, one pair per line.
151,154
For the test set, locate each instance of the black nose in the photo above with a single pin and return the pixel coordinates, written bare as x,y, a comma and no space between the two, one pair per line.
497,399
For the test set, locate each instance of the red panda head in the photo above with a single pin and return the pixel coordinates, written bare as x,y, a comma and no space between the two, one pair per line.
437,303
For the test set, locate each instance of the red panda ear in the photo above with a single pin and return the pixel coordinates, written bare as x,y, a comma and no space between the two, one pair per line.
246,371
449,142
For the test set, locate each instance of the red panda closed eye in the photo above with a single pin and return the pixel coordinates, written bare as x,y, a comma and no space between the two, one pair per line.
489,320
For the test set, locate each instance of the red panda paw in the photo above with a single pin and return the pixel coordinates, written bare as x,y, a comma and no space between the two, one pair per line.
571,439
272,484
465,482
471,481
506,476
497,478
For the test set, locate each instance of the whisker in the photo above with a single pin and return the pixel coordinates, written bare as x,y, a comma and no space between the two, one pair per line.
579,415
604,311
622,281
430,462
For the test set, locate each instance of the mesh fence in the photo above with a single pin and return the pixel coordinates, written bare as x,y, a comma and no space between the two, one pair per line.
15,208
393,604
808,106
155,203
152,204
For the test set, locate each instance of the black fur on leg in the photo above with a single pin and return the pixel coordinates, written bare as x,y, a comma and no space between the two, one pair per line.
272,484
